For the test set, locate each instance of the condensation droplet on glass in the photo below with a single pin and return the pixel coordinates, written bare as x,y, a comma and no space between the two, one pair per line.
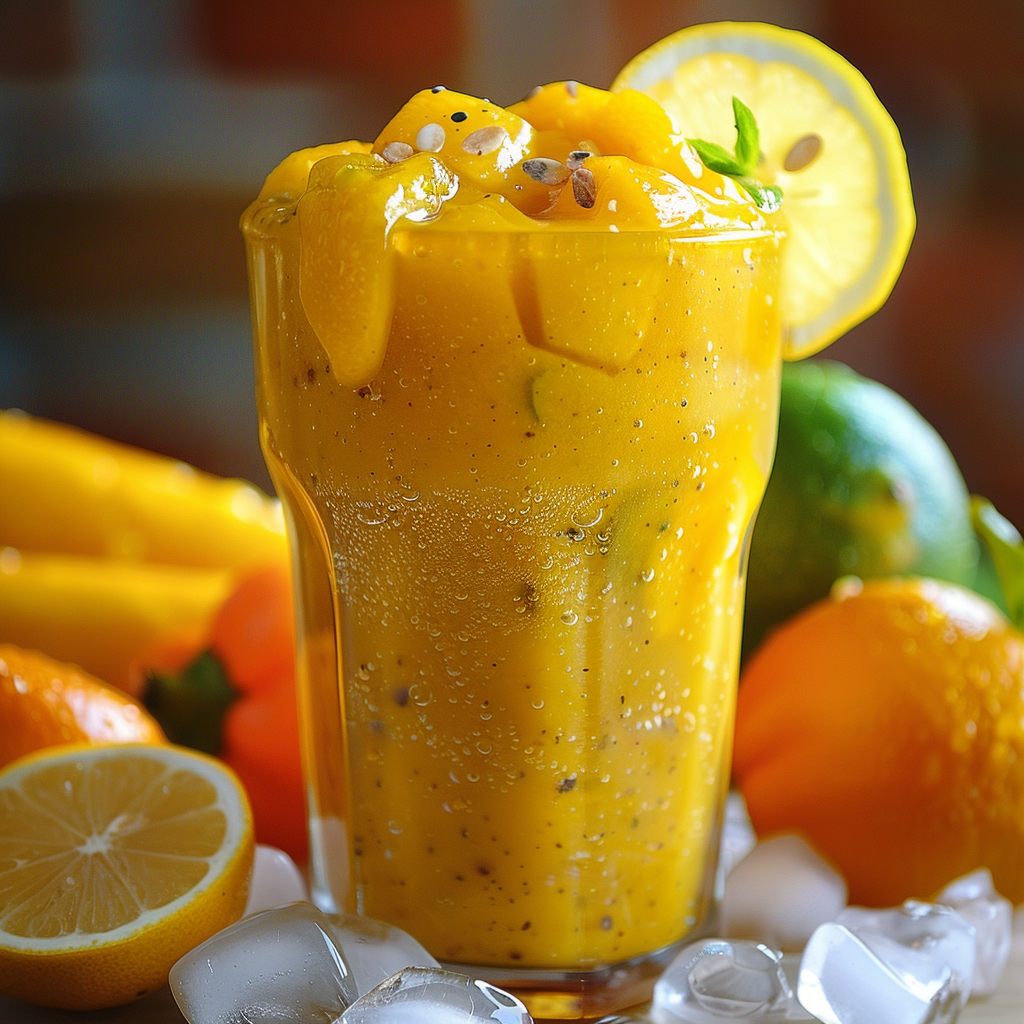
569,617
585,520
647,575
395,828
537,705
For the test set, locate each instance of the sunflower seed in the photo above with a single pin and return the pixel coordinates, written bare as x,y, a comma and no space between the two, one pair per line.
584,188
576,158
802,152
484,140
430,138
546,171
395,152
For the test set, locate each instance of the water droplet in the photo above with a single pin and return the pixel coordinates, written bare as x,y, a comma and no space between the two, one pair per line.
586,519
395,828
570,618
419,694
647,575
537,705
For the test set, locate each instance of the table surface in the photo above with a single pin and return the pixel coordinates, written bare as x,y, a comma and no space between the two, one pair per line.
1005,1007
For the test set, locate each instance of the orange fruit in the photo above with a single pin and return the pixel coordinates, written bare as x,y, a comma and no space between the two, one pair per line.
886,725
46,703
115,861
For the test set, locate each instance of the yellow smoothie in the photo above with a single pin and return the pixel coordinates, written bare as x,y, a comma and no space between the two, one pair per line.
520,418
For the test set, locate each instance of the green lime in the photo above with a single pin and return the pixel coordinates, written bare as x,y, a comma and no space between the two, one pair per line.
863,486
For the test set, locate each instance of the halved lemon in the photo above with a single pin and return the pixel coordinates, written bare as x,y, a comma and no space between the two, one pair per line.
114,862
826,140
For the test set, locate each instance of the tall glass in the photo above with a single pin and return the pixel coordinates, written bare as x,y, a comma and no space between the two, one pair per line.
520,553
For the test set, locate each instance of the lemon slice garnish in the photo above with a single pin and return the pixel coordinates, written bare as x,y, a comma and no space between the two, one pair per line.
114,862
826,140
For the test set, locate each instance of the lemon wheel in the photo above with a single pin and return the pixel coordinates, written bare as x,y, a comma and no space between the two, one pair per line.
115,861
826,140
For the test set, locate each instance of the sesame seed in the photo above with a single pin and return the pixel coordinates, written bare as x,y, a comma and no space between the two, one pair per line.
573,89
546,171
459,115
395,152
430,138
802,152
485,140
584,187
438,88
576,158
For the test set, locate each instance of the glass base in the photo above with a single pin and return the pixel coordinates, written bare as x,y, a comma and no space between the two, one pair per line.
580,995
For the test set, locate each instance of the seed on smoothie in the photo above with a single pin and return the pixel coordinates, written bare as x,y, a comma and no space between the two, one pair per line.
584,187
430,138
485,140
396,152
546,171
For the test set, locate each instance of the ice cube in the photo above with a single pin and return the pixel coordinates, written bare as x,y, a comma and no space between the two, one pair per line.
275,881
931,929
843,980
738,837
278,965
375,951
420,994
780,892
715,979
975,899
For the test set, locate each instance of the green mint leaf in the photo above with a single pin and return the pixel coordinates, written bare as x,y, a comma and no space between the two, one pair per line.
767,198
748,138
716,157
1006,549
747,155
